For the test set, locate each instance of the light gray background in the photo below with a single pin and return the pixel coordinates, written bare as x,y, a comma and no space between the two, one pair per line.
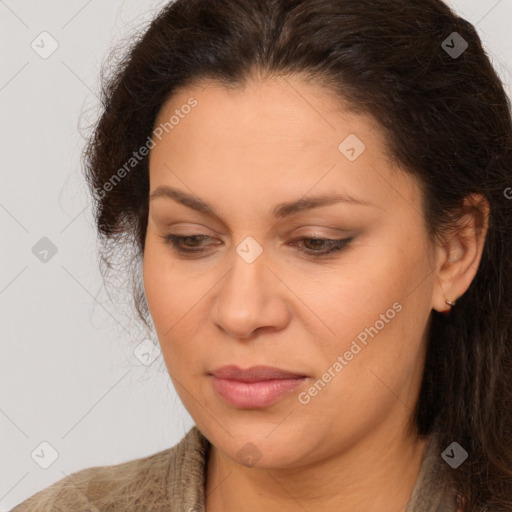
69,375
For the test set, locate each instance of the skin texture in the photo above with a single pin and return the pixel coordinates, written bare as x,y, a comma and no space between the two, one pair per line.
245,151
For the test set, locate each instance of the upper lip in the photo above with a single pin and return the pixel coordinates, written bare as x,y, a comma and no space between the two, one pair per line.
254,374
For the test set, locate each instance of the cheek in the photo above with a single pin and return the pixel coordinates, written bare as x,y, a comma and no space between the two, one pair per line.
157,287
380,304
169,292
174,302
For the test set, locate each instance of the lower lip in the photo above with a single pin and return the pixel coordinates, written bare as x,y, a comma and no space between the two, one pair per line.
255,394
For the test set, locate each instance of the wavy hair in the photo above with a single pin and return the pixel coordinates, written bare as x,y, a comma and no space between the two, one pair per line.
447,122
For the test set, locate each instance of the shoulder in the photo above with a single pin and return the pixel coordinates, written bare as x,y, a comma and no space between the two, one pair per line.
148,483
94,487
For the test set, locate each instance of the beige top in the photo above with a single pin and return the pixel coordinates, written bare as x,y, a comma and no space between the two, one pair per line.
173,480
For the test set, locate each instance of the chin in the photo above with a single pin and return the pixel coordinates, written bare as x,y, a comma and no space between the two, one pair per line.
259,445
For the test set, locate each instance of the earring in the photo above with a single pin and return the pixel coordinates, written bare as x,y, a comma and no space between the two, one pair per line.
447,314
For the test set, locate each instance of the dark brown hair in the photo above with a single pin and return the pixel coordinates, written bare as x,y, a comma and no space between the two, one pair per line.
447,120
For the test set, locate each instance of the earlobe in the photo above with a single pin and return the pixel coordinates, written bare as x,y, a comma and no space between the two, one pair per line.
460,254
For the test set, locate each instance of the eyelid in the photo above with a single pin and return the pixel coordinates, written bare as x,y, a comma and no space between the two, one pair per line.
189,229
334,246
310,232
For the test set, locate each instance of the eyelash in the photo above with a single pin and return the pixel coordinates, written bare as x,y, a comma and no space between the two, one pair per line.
335,245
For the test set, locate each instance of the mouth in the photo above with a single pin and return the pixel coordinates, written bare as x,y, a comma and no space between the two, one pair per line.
256,387
254,374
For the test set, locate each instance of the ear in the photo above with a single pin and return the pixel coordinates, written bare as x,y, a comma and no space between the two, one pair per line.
458,255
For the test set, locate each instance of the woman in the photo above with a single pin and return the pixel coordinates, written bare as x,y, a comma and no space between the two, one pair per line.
314,197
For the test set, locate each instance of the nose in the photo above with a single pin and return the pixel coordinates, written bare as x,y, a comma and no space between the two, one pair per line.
251,298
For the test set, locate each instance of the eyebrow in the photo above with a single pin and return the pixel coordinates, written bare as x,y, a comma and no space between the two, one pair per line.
280,211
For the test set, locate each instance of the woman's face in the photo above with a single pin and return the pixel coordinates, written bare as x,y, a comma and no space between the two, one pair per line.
353,322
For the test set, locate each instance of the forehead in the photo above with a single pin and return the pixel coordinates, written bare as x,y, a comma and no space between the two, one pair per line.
284,108
280,134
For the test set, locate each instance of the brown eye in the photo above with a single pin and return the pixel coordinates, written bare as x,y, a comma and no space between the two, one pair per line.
189,241
330,245
316,247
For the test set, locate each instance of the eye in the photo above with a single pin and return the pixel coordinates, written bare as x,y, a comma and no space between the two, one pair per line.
188,240
191,247
330,245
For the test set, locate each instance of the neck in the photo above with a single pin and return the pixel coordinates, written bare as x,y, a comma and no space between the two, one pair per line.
376,470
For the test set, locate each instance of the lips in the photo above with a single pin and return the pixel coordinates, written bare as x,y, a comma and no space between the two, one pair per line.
254,374
255,387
